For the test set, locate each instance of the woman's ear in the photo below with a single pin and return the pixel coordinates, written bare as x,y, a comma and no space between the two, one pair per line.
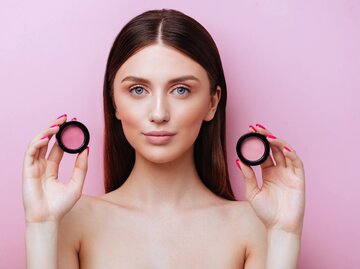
117,115
214,101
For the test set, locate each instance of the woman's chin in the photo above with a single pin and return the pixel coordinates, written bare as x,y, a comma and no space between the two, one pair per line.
161,157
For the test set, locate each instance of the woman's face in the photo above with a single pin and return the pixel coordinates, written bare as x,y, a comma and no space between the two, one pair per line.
162,97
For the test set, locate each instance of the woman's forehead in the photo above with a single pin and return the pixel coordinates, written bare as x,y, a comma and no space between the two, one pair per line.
160,60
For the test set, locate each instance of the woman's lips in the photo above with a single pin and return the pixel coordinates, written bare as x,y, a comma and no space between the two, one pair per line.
158,137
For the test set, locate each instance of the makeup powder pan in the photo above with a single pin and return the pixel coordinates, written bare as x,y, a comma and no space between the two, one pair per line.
73,137
253,149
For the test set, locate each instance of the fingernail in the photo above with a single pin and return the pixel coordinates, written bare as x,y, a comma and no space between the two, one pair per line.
63,115
74,118
259,125
55,125
88,150
44,137
271,136
285,147
252,127
238,164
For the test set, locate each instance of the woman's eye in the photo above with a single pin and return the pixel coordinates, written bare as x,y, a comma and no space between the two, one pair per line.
137,90
181,90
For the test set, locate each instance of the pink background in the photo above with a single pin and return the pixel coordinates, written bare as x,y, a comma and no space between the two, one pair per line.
293,66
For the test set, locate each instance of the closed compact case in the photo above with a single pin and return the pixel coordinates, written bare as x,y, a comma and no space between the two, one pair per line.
253,148
73,137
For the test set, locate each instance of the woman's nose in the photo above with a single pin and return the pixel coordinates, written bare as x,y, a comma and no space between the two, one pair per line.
159,110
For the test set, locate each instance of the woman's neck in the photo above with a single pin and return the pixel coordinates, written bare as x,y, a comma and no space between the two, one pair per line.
166,187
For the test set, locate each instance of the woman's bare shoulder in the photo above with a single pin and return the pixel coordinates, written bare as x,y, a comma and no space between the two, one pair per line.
79,217
246,222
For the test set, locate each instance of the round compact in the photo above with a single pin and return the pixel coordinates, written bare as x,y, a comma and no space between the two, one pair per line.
73,137
253,148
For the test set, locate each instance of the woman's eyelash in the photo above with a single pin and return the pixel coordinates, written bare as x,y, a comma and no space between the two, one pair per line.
136,87
182,87
132,89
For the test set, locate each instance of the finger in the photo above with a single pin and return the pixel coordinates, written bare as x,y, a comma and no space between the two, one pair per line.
56,126
58,121
37,144
39,141
53,161
32,152
79,171
53,129
251,186
269,162
276,145
74,119
295,161
287,159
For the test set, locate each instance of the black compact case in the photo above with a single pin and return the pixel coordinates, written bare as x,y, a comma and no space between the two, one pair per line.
243,140
74,124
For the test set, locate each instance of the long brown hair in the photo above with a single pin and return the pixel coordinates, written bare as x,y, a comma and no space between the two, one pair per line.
175,29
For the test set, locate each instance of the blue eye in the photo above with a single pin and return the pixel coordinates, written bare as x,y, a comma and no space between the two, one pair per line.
182,90
137,90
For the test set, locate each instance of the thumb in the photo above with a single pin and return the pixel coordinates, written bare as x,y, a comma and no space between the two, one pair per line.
79,171
251,186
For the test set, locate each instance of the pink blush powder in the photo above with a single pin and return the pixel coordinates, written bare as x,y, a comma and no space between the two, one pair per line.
72,137
252,149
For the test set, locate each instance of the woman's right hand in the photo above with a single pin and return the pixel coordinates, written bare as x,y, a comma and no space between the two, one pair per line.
45,197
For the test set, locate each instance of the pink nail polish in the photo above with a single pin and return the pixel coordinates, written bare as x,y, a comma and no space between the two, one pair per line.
252,127
55,125
63,115
259,125
271,136
74,118
238,164
44,137
285,147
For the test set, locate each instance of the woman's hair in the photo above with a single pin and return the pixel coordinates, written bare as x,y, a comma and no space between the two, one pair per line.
177,30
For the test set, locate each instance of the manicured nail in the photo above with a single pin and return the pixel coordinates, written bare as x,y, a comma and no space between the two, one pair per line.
63,115
238,164
259,125
285,147
44,137
252,127
74,118
55,125
271,136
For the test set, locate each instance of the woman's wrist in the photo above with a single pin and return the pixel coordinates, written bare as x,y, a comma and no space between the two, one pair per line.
41,245
283,249
278,234
46,226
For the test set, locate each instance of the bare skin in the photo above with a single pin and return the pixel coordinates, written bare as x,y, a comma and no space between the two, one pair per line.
217,234
162,216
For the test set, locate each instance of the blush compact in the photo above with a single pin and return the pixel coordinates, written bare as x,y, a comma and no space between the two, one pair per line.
73,137
253,149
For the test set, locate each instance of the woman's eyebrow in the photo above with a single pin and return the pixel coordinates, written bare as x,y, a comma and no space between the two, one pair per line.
174,80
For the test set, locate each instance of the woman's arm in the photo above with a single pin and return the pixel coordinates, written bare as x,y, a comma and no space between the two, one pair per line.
283,250
41,245
280,202
47,199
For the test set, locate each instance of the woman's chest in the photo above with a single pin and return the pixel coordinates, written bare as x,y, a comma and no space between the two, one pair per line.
183,241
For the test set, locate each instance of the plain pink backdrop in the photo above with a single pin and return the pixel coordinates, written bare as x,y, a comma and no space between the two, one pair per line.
293,66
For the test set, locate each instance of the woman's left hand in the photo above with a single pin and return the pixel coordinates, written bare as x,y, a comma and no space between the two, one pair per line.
280,202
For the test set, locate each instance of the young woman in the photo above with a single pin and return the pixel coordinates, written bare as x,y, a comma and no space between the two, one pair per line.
168,201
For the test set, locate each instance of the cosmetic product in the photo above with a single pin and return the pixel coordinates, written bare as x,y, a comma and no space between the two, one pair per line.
73,137
253,148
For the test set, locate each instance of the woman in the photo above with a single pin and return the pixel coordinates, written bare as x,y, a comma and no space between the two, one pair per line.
168,201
